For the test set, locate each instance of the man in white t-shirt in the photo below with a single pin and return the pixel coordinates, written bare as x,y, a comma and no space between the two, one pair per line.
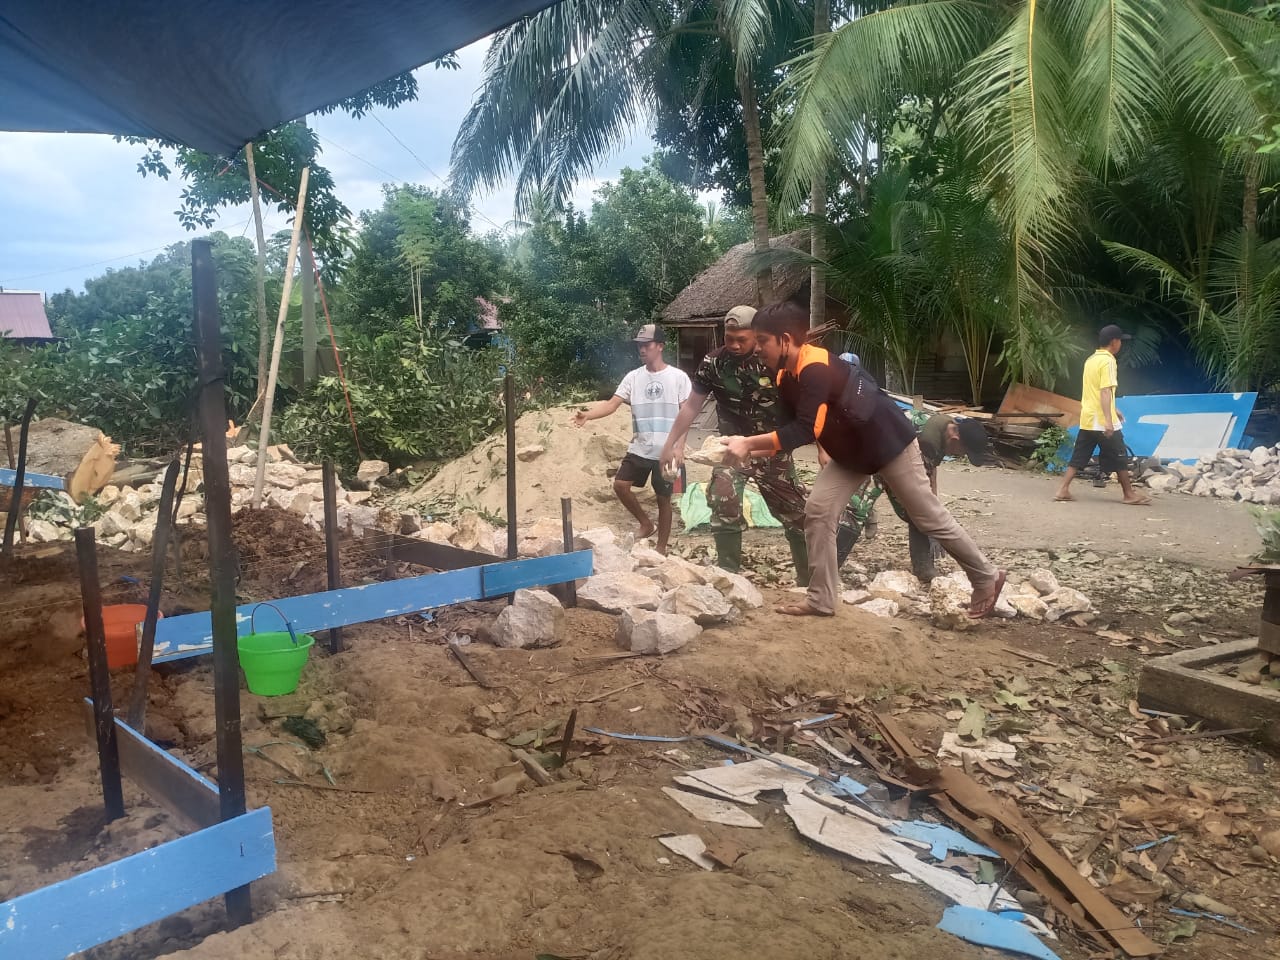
654,392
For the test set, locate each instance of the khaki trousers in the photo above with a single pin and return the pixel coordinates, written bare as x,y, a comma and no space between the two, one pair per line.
906,478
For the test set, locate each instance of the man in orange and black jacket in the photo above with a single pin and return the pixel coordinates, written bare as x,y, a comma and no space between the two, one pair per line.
839,406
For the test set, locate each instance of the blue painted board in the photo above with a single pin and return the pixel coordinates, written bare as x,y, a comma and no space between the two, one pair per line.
499,579
115,898
42,481
993,930
192,635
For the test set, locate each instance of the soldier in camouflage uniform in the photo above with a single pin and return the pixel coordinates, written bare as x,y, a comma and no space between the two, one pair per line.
940,436
746,404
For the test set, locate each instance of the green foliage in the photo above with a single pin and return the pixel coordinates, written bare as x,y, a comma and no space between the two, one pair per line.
582,285
415,257
416,395
1045,455
1268,523
133,374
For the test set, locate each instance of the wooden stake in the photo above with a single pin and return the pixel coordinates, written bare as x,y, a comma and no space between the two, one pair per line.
104,721
332,559
264,435
159,547
20,473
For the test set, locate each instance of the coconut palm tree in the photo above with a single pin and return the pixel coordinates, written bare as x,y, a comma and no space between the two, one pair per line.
1234,308
566,86
1048,94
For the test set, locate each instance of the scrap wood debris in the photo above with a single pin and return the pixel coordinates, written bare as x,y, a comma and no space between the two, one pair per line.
1139,847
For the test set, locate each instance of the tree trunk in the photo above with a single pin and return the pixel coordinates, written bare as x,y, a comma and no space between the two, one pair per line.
264,333
1252,180
307,277
818,200
759,196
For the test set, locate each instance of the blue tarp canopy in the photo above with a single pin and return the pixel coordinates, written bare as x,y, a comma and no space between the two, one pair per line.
216,74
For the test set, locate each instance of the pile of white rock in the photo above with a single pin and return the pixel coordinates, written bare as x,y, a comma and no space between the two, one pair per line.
129,519
663,602
1249,475
945,600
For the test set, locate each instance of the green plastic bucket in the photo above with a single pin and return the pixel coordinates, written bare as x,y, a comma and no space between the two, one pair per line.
273,662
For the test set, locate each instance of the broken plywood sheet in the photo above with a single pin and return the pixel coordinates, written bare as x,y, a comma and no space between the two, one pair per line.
865,841
742,781
1021,399
691,847
711,810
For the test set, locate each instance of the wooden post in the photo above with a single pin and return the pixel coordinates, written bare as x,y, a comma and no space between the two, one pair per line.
566,523
174,534
332,557
222,550
159,547
20,473
509,400
104,724
268,396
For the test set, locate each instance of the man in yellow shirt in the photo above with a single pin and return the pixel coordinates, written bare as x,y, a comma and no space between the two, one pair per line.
1100,420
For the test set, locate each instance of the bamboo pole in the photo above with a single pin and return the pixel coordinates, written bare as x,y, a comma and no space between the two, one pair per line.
264,435
264,334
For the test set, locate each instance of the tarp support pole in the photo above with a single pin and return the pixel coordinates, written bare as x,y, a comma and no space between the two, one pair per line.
222,552
15,502
332,559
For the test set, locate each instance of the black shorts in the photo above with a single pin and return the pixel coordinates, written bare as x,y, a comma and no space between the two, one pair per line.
636,470
1113,455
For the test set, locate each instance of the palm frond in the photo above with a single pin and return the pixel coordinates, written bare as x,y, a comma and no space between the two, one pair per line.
867,66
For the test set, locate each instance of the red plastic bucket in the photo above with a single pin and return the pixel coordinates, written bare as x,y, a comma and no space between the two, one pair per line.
120,624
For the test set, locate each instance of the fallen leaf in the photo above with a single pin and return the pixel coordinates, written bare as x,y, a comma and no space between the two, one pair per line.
954,715
1174,632
973,724
724,852
1133,890
1113,635
1183,929
1009,699
995,770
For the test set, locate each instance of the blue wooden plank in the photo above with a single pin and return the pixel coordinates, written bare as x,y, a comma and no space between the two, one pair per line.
503,578
39,480
191,635
111,900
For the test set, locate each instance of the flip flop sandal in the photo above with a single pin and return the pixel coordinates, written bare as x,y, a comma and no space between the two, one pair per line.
800,610
983,608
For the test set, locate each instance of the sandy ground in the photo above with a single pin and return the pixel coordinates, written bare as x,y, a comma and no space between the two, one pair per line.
394,863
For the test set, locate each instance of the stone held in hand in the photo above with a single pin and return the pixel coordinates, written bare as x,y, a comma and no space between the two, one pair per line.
712,451
534,619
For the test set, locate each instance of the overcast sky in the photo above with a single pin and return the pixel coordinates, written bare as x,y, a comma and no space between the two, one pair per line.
74,205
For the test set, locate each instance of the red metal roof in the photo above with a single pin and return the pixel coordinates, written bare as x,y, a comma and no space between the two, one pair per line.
22,315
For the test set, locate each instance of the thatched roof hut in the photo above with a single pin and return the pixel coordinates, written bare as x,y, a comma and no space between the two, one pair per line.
727,283
697,313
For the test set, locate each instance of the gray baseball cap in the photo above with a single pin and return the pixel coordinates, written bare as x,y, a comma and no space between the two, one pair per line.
739,318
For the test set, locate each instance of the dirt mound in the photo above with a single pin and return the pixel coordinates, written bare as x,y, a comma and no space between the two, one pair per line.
556,459
272,542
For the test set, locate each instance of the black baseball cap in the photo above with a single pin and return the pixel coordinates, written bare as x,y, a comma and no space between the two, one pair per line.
651,333
1112,332
974,439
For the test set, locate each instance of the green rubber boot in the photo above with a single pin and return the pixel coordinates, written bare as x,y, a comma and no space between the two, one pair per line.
729,550
799,556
